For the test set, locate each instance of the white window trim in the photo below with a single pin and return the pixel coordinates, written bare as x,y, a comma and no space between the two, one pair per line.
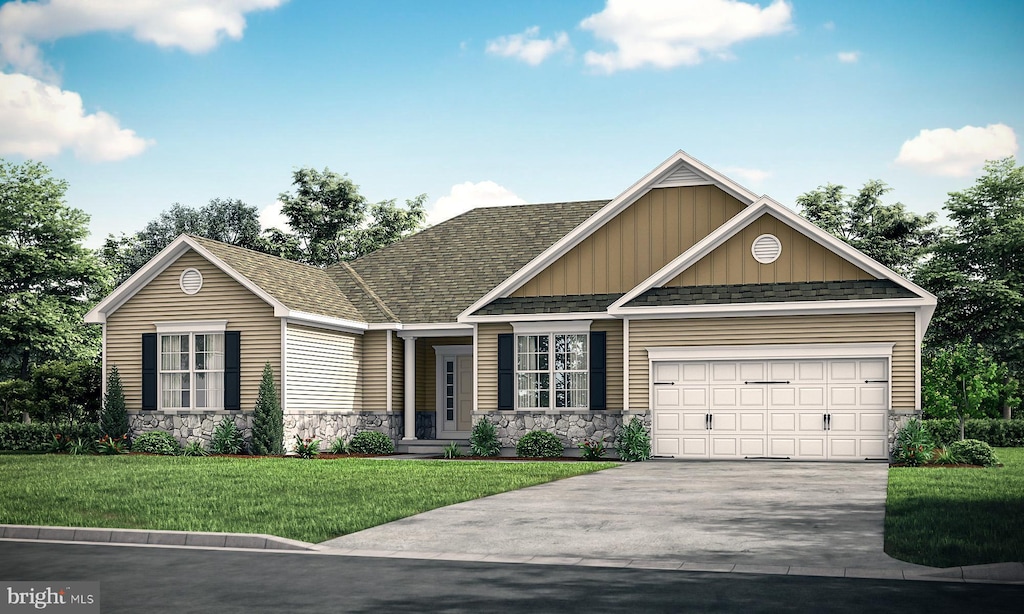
190,328
539,328
550,329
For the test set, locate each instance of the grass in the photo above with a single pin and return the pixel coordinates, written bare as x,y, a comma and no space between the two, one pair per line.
958,516
308,500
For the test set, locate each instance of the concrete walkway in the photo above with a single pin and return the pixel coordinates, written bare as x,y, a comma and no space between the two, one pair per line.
812,515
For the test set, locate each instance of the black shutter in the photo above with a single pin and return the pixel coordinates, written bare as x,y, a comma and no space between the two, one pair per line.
598,371
506,371
233,369
149,387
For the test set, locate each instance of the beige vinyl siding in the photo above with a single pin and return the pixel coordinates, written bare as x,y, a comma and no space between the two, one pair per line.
375,370
426,369
323,370
613,359
802,259
397,372
221,298
644,237
897,328
487,364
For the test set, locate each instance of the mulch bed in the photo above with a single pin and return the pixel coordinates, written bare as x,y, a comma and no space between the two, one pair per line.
934,466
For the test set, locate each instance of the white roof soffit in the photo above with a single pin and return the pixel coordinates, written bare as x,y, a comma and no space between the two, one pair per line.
740,221
680,169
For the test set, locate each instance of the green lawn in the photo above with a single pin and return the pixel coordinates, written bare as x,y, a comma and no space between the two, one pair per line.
950,517
309,500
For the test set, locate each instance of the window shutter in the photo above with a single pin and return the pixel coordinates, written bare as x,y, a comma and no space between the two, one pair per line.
506,371
149,357
598,370
232,369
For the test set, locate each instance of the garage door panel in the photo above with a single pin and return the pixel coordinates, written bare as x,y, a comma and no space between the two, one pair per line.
873,369
694,446
843,370
694,397
667,371
874,448
782,446
667,397
873,396
752,446
811,371
843,448
779,371
782,421
724,446
667,421
811,448
666,446
873,422
694,372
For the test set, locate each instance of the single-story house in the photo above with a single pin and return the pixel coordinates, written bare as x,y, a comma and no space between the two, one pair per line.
732,326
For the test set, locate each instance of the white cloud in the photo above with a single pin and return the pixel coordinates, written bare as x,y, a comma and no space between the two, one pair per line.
527,47
829,25
37,119
469,195
193,25
957,153
753,175
848,57
669,33
271,217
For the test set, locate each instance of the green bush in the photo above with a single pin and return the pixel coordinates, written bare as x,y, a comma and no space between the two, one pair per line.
268,419
974,452
540,444
993,431
634,442
452,450
194,448
40,437
227,439
157,442
338,446
66,392
592,449
914,444
945,456
483,441
371,442
114,416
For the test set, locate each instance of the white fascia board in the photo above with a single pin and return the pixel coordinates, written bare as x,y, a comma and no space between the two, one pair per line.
446,329
320,321
772,351
539,317
773,309
567,326
697,251
384,326
608,212
128,288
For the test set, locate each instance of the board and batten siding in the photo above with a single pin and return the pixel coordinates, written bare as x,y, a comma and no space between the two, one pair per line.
221,298
487,362
426,368
324,370
801,260
629,248
897,328
375,370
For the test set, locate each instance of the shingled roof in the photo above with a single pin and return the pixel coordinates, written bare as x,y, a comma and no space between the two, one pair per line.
435,274
772,293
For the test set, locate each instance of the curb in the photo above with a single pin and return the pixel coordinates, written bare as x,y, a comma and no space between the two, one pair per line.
993,573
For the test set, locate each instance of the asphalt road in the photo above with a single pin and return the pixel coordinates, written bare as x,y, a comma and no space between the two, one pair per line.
146,579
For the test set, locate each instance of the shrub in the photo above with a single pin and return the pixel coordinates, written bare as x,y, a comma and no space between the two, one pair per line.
914,444
371,442
452,450
80,446
157,442
112,446
66,392
945,456
114,416
540,444
306,448
15,399
634,442
974,452
338,446
483,441
592,449
268,419
40,437
194,448
993,431
227,439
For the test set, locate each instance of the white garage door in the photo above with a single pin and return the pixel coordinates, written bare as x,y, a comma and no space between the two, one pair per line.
821,409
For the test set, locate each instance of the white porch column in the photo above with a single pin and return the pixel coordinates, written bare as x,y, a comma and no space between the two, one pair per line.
410,388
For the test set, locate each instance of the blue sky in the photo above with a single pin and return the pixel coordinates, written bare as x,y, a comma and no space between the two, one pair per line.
143,105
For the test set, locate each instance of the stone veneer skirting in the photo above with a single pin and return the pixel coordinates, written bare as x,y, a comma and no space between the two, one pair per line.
572,427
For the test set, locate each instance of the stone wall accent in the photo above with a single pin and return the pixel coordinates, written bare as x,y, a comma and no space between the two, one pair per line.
897,422
188,427
572,427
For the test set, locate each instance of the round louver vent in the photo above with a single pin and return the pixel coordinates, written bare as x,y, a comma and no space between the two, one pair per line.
766,249
191,281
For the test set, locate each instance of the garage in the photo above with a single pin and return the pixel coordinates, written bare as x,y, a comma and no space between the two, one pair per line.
827,408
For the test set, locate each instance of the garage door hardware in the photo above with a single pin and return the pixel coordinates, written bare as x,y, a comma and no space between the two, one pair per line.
769,382
827,421
876,381
664,383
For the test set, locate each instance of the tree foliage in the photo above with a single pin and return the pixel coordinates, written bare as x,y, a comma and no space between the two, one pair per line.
977,269
268,419
332,222
963,382
47,277
888,233
114,416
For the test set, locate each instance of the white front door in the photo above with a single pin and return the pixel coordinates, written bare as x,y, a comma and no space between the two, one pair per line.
454,391
815,409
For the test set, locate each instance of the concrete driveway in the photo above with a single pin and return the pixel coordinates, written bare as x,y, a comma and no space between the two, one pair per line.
754,512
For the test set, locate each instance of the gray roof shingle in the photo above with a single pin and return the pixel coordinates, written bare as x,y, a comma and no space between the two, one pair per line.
772,293
575,303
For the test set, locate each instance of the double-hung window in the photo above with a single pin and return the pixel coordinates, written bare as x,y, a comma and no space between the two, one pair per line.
552,367
191,365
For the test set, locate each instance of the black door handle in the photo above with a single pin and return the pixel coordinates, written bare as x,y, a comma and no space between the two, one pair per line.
711,421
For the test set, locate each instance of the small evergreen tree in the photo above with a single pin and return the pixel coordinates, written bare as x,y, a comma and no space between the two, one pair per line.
114,416
268,419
